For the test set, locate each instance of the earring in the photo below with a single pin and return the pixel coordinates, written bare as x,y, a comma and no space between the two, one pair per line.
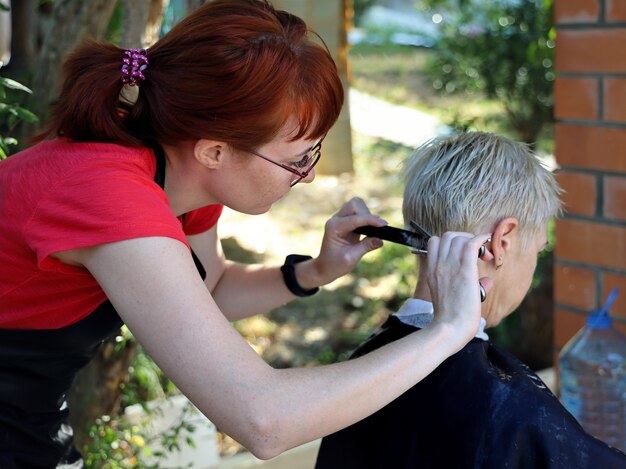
500,263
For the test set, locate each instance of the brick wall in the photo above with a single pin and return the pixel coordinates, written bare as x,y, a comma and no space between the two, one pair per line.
590,134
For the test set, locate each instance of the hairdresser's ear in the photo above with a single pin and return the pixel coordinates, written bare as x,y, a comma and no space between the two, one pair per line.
504,235
210,153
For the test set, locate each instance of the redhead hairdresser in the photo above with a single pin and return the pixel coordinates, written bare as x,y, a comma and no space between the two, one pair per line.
113,219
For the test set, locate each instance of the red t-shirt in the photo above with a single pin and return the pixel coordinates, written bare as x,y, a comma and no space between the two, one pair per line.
59,195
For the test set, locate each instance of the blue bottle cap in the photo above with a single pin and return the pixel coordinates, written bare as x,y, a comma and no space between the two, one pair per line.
601,319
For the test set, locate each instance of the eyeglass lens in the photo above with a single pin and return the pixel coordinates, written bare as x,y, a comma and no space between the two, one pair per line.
314,156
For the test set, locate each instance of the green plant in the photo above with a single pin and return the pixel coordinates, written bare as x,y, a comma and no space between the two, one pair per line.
146,382
118,444
359,8
114,442
11,114
504,50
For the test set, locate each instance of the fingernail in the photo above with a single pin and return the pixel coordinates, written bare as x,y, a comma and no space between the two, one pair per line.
377,242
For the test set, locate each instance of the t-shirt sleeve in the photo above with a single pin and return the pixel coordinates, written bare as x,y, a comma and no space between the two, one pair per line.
100,202
201,220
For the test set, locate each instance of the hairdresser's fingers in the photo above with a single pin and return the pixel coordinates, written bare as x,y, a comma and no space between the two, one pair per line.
352,215
454,282
459,245
451,245
471,249
470,256
346,224
484,253
342,248
487,283
433,254
354,206
445,258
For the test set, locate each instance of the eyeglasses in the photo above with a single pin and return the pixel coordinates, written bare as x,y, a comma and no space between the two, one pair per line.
308,162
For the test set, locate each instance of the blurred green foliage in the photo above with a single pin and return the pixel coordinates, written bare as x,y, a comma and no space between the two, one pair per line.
502,49
11,114
359,7
118,444
114,442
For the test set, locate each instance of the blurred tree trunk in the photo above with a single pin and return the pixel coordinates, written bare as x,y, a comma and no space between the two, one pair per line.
96,391
72,22
152,28
141,22
331,19
23,16
191,5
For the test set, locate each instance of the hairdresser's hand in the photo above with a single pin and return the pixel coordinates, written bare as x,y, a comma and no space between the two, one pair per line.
454,283
341,248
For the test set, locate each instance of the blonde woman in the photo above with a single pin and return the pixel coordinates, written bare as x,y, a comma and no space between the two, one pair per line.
482,407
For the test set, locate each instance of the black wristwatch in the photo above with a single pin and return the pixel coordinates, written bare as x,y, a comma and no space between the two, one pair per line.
289,274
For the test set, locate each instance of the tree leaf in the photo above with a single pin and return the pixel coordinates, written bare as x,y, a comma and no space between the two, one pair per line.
13,84
26,115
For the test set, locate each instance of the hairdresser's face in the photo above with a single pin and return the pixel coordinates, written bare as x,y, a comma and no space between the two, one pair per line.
258,183
513,279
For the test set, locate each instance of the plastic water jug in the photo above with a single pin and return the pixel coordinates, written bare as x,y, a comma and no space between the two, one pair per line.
592,376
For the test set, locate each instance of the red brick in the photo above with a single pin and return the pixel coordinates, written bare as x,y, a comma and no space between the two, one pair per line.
615,10
591,243
610,281
555,360
576,11
620,326
574,286
591,147
566,325
580,192
576,98
615,197
615,99
591,50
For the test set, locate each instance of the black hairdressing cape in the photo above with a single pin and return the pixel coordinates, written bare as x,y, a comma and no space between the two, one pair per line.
481,408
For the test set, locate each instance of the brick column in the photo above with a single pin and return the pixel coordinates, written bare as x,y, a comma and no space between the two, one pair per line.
590,134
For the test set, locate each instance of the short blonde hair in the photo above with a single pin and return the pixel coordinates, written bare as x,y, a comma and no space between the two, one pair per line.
470,181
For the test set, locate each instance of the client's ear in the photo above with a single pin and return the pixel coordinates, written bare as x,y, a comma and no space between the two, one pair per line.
502,239
209,153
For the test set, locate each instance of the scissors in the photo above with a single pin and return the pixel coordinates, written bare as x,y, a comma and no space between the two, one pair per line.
417,239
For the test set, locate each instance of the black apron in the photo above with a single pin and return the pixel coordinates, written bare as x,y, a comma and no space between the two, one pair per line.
481,408
37,368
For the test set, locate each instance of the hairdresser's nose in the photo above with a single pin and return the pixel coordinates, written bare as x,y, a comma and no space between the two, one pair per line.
309,177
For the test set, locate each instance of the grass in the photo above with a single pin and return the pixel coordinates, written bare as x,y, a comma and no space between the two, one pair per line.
398,74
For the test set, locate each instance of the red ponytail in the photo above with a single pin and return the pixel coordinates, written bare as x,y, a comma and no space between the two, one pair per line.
233,70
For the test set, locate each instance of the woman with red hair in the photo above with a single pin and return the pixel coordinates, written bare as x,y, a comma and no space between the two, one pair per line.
112,219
